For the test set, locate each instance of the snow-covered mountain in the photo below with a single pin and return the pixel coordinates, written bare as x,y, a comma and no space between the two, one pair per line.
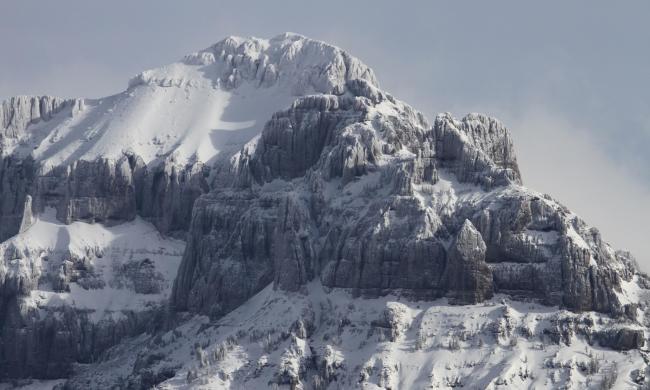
212,101
262,214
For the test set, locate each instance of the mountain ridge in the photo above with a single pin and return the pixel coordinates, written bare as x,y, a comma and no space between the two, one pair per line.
343,189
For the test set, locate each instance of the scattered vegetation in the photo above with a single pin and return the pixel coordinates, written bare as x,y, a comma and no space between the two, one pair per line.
610,375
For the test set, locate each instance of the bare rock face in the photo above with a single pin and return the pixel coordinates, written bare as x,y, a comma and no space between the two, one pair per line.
247,243
538,249
469,277
623,339
476,149
17,113
96,191
103,190
47,343
16,176
290,145
165,194
224,269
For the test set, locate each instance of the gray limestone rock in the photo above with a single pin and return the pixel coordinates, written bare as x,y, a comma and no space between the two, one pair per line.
468,277
165,194
377,216
93,191
18,112
246,243
623,339
16,176
28,216
477,149
103,190
536,248
46,343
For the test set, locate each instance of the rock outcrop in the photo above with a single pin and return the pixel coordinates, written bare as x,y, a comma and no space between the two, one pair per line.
17,113
16,176
302,65
46,344
469,278
383,201
69,292
623,339
102,190
476,149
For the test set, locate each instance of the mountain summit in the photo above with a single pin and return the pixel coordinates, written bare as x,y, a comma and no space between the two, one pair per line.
261,213
211,101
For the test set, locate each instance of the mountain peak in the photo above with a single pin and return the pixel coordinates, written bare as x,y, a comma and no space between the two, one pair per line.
212,101
310,66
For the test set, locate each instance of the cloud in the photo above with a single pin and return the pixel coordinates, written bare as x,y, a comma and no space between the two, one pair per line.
71,79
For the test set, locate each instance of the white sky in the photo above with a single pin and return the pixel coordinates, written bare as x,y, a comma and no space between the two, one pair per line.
570,79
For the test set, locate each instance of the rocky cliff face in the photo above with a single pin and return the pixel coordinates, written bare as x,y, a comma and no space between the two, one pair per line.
47,345
361,192
16,176
281,163
469,278
17,113
103,190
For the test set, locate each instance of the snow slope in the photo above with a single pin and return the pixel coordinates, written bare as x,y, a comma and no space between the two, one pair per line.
91,267
337,341
212,102
191,122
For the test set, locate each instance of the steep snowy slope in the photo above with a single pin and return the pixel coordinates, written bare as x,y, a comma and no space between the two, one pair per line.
334,238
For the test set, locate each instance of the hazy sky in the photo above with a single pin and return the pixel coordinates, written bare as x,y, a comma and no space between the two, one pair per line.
570,79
